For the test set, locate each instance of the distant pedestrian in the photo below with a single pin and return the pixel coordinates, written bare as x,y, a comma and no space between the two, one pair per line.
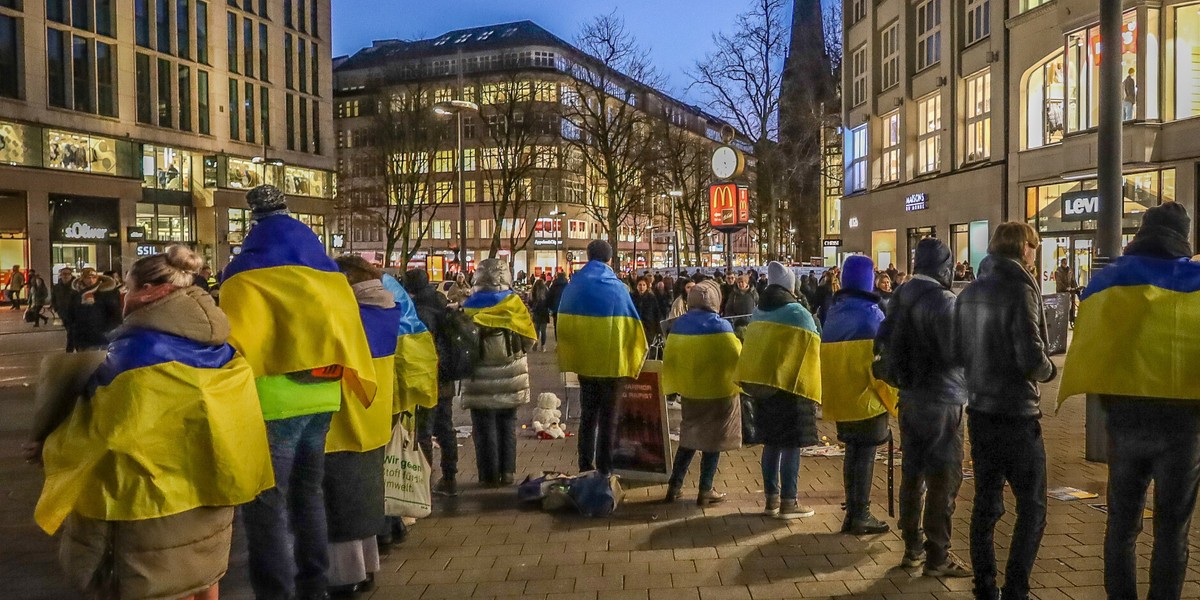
743,298
62,295
554,297
95,310
539,308
883,287
16,283
679,304
647,304
1001,339
39,297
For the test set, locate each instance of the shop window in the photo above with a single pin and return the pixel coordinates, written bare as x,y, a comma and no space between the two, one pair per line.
929,134
166,168
1044,96
81,152
856,160
979,116
165,222
306,182
1187,61
243,174
239,225
1141,191
19,144
929,33
890,158
1083,74
969,243
890,51
315,222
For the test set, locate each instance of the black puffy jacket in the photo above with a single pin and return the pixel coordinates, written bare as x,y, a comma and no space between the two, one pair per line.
922,311
1001,340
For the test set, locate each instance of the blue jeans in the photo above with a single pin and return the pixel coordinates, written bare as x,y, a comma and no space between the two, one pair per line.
495,434
708,468
781,471
540,327
281,569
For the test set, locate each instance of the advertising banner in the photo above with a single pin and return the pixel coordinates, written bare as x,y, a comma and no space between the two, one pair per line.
642,448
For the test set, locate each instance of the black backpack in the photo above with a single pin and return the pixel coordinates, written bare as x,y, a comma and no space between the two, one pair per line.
900,358
459,347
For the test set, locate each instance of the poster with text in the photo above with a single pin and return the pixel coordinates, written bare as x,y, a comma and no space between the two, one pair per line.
642,448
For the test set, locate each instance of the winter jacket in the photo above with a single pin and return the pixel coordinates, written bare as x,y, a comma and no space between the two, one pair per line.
501,379
741,302
712,415
62,294
648,311
1001,340
923,311
849,390
556,291
94,312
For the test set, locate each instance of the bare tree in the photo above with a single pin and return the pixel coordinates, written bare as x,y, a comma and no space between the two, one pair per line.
608,134
683,166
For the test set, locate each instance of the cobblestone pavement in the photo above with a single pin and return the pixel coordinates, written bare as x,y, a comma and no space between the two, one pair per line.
483,544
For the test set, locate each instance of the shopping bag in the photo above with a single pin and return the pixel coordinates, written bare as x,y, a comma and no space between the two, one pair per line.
405,475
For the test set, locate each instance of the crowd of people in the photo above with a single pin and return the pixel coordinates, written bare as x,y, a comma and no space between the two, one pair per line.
289,391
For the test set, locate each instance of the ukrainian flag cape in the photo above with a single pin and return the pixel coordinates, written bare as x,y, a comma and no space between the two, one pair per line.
849,391
700,357
782,350
1136,333
169,425
290,309
500,310
599,331
416,355
358,428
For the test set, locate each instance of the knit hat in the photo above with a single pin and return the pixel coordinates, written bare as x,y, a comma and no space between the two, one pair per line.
933,259
858,273
265,201
705,295
1164,233
779,275
1171,216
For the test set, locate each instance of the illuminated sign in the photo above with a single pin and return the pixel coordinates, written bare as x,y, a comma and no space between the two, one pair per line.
83,231
853,222
833,243
337,240
916,202
728,206
1081,206
135,234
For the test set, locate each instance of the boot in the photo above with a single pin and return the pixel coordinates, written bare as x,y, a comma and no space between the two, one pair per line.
506,479
772,507
446,486
859,470
673,493
709,497
792,509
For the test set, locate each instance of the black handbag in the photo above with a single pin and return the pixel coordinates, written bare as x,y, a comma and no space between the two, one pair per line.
749,430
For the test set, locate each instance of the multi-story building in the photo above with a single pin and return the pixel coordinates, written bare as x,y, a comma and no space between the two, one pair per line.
490,66
123,132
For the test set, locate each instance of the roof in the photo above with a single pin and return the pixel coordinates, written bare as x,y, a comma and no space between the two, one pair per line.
474,39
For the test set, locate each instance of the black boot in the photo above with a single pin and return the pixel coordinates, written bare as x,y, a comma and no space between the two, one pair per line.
860,469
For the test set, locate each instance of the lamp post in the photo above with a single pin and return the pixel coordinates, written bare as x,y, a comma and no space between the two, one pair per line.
558,247
675,196
456,108
650,258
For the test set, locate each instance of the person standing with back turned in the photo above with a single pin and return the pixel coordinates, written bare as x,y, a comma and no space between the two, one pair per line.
600,338
1001,340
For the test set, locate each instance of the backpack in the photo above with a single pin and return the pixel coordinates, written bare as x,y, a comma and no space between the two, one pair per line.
459,346
898,352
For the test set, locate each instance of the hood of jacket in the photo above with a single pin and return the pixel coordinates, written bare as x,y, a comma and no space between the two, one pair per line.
705,295
415,281
187,312
104,283
933,259
372,293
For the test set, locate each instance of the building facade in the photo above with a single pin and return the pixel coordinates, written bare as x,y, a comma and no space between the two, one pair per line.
122,132
491,66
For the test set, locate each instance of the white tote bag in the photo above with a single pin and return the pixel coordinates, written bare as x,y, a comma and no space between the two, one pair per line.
405,475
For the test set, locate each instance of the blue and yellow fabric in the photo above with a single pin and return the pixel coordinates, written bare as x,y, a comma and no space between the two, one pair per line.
416,355
700,357
358,428
599,331
1136,333
500,310
291,311
849,391
170,425
782,350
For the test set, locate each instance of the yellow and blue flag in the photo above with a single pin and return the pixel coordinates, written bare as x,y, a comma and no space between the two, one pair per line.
358,428
170,425
849,390
416,355
290,309
1136,333
599,331
500,310
782,350
700,357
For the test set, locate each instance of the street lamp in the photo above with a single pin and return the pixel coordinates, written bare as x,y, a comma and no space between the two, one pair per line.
558,247
675,196
445,109
650,258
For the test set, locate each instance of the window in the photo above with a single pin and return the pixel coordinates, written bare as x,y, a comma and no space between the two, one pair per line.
262,9
290,120
202,102
890,51
287,12
263,57
202,32
303,124
288,60
890,159
81,14
545,91
443,192
106,77
443,161
1083,74
1186,60
316,121
312,17
183,27
979,116
82,73
141,17
10,60
232,54
858,10
235,125
165,76
162,25
56,64
1031,4
185,98
929,33
979,20
264,112
316,69
858,74
1044,99
145,110
248,47
856,160
301,14
166,169
104,18
239,225
56,10
302,60
248,101
165,222
929,134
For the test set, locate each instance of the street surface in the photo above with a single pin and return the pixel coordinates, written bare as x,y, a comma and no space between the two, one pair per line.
484,544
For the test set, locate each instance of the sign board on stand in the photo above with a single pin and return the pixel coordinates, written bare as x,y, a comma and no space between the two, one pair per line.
642,448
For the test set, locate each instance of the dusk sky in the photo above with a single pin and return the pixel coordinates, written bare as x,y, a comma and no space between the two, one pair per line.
678,32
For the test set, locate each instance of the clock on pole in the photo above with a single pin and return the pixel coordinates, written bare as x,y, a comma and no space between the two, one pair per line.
728,162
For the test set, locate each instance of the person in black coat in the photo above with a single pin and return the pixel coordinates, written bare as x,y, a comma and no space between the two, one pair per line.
437,422
62,294
742,300
539,309
95,310
647,305
918,337
554,297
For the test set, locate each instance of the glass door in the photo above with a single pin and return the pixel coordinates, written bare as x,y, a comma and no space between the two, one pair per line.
1081,259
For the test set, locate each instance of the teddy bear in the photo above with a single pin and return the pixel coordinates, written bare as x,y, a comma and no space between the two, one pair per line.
546,417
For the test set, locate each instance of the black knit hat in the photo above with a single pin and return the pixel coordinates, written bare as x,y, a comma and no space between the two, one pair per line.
1168,215
1163,234
599,250
265,201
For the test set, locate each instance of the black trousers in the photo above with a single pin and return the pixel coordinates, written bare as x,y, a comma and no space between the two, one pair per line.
862,439
932,439
1150,442
597,422
495,442
438,422
1006,449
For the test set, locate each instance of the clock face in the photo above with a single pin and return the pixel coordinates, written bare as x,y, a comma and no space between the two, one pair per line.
725,162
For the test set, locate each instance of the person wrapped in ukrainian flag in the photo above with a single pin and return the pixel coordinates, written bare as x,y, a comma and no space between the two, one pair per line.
600,338
294,317
699,360
851,396
780,367
147,470
1137,346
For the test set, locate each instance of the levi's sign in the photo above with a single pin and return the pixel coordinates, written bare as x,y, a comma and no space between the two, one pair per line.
1081,206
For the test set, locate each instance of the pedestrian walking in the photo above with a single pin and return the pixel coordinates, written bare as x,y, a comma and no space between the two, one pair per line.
1001,340
294,317
539,308
436,423
916,342
554,298
39,297
95,310
780,368
1065,283
62,295
1131,334
142,477
16,283
601,339
500,382
699,359
851,396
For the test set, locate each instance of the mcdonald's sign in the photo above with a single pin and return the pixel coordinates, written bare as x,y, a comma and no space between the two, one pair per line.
728,206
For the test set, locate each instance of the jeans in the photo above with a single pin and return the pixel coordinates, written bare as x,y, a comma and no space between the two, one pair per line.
597,422
279,569
708,468
862,439
781,471
1007,448
1160,444
540,328
14,298
932,437
438,422
495,442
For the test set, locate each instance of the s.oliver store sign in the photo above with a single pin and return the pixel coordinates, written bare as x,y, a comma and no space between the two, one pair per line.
84,220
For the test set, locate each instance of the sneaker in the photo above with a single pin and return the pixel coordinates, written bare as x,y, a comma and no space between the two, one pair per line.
791,509
913,559
446,486
710,497
868,525
772,507
507,479
953,567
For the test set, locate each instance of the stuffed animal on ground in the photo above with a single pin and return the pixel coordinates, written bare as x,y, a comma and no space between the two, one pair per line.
547,412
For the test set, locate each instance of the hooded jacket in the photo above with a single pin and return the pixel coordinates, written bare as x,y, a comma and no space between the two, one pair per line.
849,390
501,379
94,311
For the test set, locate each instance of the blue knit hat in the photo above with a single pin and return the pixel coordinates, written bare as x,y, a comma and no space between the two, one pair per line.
858,273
